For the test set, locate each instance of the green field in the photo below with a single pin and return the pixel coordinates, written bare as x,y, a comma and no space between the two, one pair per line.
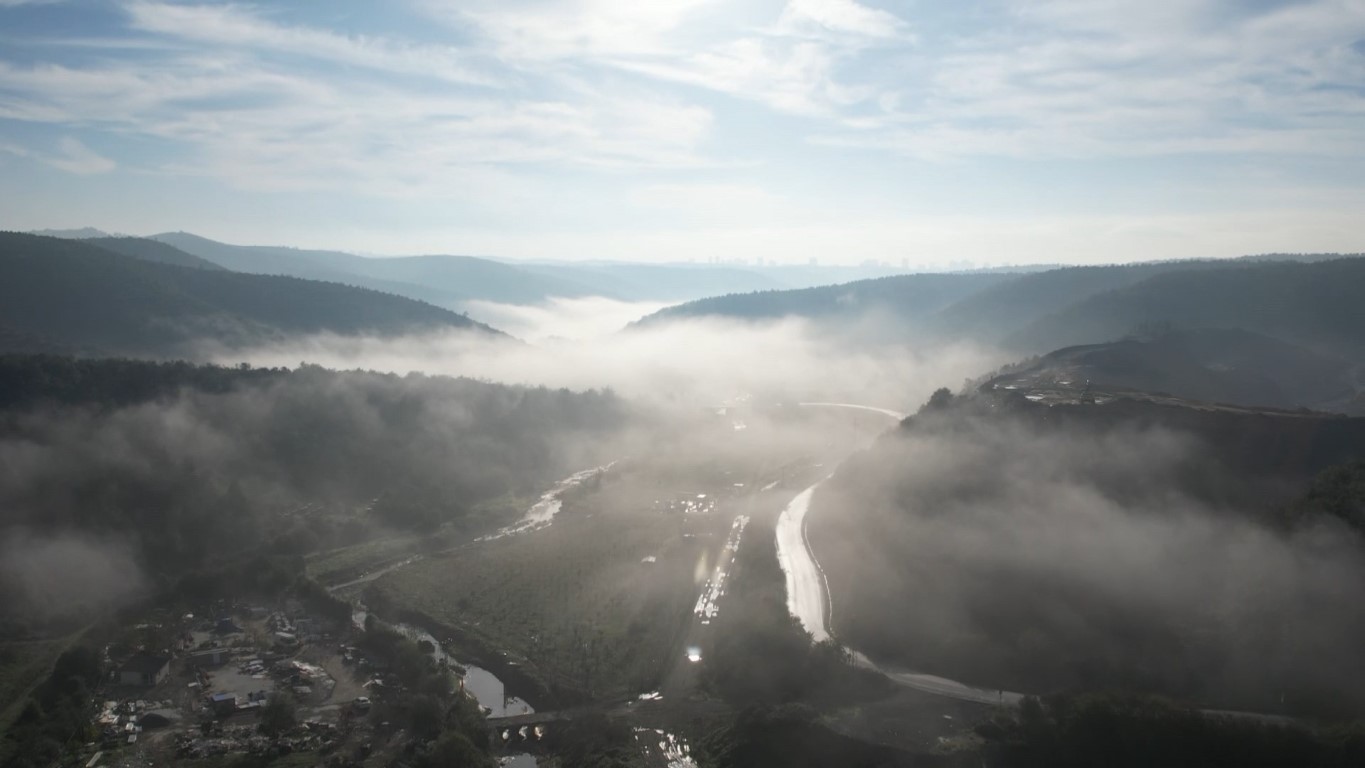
577,600
23,666
345,563
595,605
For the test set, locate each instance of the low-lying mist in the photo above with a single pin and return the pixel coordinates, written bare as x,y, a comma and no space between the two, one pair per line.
60,578
185,468
689,363
561,318
1041,557
178,469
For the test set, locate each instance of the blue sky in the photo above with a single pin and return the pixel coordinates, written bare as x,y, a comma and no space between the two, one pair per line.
996,132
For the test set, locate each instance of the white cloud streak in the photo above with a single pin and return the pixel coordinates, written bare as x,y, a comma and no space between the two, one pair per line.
72,156
235,28
497,97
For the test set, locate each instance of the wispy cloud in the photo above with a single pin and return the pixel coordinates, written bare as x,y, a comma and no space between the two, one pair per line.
841,16
1113,78
236,28
71,156
556,30
657,105
77,158
247,109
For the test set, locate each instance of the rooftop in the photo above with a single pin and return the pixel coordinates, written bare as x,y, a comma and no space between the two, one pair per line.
145,663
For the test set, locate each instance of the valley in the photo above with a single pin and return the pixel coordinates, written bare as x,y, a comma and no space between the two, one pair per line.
742,549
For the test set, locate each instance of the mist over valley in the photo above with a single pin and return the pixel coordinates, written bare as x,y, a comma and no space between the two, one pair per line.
593,384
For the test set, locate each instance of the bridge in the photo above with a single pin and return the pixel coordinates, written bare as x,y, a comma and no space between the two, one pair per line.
532,718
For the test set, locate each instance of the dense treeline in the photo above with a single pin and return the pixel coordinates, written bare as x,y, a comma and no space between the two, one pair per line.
45,380
1124,731
57,714
161,469
446,726
793,736
1337,493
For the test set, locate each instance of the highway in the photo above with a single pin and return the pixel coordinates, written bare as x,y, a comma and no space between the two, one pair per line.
897,415
806,587
808,597
809,600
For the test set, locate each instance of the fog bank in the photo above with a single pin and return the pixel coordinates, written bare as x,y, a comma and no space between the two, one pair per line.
697,362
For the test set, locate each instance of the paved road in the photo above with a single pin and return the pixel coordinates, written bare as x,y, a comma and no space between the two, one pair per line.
806,587
809,600
897,415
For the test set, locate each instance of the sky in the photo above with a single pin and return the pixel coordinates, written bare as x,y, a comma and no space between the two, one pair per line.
920,133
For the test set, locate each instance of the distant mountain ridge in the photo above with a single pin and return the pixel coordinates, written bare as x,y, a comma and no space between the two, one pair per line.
81,233
459,282
79,295
1226,366
903,301
1315,302
152,250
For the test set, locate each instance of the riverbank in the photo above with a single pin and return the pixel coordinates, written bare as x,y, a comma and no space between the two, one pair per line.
518,676
591,606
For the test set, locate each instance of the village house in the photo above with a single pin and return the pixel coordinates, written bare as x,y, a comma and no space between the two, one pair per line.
144,669
210,657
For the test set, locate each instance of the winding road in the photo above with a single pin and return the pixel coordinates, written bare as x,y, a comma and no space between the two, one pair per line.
808,597
806,584
809,601
897,415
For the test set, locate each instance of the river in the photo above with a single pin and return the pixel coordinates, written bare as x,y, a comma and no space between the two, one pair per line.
486,687
543,512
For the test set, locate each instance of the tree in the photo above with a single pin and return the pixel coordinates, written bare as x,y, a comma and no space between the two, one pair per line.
940,400
453,750
277,716
425,717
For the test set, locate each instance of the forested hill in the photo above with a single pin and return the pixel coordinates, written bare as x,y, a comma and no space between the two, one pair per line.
77,294
1019,538
906,297
993,314
452,281
151,250
976,305
1316,303
177,467
445,281
1229,366
1319,304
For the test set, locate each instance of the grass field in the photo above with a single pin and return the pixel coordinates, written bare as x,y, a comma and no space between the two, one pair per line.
345,563
23,666
582,601
596,603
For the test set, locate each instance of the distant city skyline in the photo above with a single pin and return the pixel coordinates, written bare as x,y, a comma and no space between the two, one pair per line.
910,133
